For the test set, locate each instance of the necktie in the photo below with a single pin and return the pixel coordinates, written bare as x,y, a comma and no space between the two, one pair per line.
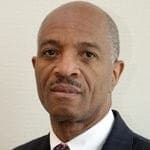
61,147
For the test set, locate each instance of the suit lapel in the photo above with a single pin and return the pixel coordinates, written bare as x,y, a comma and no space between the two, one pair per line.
44,143
121,137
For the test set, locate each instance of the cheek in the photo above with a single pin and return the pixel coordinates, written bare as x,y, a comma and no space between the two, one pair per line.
42,72
87,75
103,84
89,83
99,81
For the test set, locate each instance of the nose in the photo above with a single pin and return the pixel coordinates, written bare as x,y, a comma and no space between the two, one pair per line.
67,66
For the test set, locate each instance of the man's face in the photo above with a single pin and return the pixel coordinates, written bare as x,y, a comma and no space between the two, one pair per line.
74,69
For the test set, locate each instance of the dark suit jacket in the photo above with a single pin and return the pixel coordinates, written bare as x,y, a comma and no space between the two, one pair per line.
120,138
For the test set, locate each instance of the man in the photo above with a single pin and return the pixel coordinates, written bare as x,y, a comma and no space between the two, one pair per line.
76,70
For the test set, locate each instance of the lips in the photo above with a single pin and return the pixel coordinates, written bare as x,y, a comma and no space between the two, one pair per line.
65,88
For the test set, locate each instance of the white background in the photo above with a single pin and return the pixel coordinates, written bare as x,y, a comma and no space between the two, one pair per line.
21,115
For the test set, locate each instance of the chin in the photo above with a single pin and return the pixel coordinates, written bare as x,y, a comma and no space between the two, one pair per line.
63,114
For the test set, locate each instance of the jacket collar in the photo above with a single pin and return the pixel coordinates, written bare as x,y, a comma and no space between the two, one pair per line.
121,137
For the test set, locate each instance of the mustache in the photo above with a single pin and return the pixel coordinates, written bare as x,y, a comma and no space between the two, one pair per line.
65,80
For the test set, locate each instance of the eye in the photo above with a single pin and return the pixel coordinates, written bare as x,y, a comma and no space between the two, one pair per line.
89,54
50,52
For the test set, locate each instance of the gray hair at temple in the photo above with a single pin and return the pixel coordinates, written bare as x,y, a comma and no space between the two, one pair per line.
113,36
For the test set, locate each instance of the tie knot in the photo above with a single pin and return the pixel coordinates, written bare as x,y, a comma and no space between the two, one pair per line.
61,147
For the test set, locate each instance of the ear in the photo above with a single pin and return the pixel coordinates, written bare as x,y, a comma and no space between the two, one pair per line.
34,61
118,67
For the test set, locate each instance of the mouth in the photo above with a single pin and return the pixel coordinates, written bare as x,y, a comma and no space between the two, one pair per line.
65,88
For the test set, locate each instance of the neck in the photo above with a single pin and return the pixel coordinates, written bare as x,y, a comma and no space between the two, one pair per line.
67,130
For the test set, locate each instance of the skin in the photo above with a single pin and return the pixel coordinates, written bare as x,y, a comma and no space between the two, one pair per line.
73,67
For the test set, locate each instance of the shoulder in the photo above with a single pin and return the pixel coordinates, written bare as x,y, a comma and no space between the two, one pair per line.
140,143
121,135
38,144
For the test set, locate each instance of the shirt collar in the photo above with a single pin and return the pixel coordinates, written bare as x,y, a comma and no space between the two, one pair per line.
93,138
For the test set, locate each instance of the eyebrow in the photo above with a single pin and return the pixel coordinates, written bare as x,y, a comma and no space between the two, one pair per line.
57,43
51,42
88,44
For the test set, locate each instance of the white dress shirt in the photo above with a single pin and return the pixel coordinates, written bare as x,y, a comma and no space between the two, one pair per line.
91,139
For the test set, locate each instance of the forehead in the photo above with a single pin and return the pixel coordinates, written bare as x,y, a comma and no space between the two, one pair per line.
66,34
78,14
77,28
76,24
